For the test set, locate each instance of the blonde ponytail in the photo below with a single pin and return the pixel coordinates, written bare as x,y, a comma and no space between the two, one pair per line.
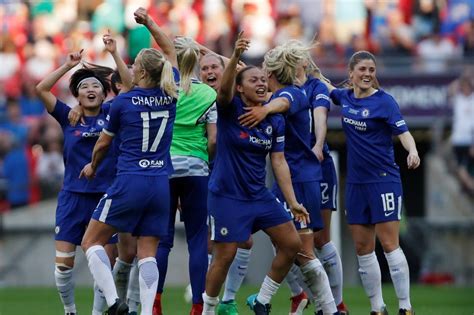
282,61
167,82
188,56
159,70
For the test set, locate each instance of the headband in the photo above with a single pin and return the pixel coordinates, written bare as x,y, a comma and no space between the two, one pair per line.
90,78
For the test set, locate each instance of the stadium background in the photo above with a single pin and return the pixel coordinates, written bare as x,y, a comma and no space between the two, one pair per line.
422,47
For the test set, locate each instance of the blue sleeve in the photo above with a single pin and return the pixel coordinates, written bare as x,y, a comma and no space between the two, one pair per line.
278,134
336,96
60,113
295,102
394,118
320,97
113,118
106,107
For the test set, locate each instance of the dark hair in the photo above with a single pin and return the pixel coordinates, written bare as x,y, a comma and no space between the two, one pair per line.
240,74
114,79
358,57
84,73
103,71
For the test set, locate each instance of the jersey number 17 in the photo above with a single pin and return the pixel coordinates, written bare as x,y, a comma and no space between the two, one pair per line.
146,117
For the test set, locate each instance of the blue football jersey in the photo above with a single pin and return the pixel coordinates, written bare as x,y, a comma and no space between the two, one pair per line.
318,96
79,141
143,119
369,124
304,166
239,166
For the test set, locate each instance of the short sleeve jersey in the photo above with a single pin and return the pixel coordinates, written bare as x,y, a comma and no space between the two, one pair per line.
239,166
304,166
318,96
369,124
143,119
79,142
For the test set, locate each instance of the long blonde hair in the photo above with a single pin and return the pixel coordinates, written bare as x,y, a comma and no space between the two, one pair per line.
159,70
282,61
188,56
304,53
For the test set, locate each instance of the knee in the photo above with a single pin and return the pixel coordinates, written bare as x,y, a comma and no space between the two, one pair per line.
86,244
389,245
127,254
292,247
364,248
320,239
247,244
223,259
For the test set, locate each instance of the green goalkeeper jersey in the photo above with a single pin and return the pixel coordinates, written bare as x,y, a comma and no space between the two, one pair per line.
189,131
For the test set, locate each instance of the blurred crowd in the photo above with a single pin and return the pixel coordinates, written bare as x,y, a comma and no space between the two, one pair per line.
36,36
462,135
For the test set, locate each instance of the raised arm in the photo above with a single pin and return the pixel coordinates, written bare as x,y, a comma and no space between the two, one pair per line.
165,43
203,50
413,160
226,91
44,87
125,76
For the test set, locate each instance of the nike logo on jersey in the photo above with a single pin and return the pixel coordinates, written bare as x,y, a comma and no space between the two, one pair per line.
387,214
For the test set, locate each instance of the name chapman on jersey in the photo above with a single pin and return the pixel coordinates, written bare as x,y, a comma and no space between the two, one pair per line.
151,100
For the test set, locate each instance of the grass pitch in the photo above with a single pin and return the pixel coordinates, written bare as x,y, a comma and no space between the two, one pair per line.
426,300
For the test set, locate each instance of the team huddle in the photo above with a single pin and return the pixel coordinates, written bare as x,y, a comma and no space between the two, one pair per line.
170,142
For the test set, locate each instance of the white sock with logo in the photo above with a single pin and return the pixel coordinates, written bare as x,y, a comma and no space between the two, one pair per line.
236,274
99,305
332,264
400,274
369,271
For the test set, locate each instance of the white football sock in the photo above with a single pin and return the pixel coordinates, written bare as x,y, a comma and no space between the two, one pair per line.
236,273
65,284
121,274
133,292
292,281
369,271
148,279
317,281
267,290
99,266
332,264
99,306
400,274
210,304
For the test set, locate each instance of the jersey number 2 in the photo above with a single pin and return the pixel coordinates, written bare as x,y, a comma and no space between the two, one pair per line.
146,117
